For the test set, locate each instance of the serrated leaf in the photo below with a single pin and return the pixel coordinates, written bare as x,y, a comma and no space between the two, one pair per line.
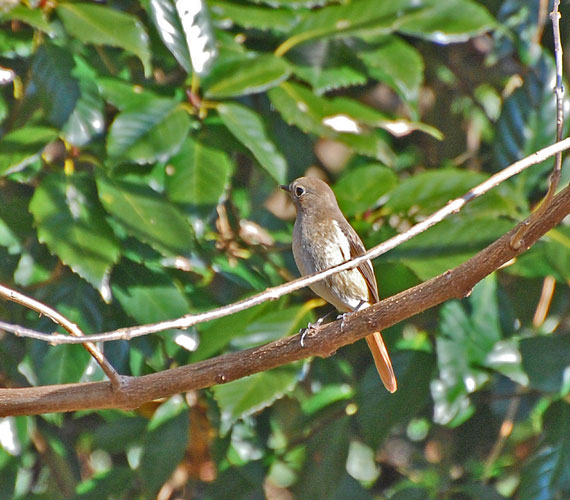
147,296
329,118
103,25
169,26
379,410
146,215
22,146
363,17
248,16
72,224
198,175
196,25
327,65
165,444
148,132
245,396
397,64
245,76
58,89
248,127
431,190
360,189
451,21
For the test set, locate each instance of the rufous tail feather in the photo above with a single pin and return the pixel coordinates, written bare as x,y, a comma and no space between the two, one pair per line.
382,361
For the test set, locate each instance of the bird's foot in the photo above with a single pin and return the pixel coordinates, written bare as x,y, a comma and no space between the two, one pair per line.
310,326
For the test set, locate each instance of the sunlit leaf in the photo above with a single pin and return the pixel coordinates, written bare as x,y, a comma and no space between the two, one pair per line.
249,16
198,175
103,25
22,146
72,224
146,215
247,76
247,395
151,131
249,128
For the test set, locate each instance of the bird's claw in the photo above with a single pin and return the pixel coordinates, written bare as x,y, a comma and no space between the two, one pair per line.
310,327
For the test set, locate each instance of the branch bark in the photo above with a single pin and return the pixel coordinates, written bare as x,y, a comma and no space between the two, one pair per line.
455,283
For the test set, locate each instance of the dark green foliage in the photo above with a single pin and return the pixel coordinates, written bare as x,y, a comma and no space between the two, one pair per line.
141,144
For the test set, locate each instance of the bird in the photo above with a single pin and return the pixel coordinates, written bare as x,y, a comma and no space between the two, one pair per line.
322,238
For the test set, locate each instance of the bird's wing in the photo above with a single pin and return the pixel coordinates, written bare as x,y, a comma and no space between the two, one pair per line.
366,269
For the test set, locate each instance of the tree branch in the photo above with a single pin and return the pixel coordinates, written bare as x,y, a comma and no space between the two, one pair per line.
72,328
455,283
274,293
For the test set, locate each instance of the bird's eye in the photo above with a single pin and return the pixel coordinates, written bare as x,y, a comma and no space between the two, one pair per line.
299,191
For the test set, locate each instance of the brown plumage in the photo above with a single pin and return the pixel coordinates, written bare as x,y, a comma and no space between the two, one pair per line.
322,238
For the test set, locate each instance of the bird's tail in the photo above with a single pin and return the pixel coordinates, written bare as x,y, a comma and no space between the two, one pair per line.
382,360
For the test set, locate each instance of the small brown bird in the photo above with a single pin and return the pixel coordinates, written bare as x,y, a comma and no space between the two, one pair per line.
323,238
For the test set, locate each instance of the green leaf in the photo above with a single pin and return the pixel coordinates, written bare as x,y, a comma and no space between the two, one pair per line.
146,215
197,27
261,18
58,89
169,26
86,120
466,340
245,76
379,411
245,396
330,118
324,469
448,244
63,364
547,474
451,21
361,188
360,18
397,64
113,482
123,95
165,443
198,175
22,146
72,224
103,25
149,132
248,127
33,16
526,125
327,65
552,351
147,296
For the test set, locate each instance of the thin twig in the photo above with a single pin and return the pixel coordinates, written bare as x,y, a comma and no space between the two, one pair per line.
559,95
286,288
61,320
548,286
504,433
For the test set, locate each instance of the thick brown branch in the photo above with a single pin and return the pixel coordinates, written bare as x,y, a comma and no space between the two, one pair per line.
455,283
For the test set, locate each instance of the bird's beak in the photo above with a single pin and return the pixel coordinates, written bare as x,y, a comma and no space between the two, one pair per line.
284,187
